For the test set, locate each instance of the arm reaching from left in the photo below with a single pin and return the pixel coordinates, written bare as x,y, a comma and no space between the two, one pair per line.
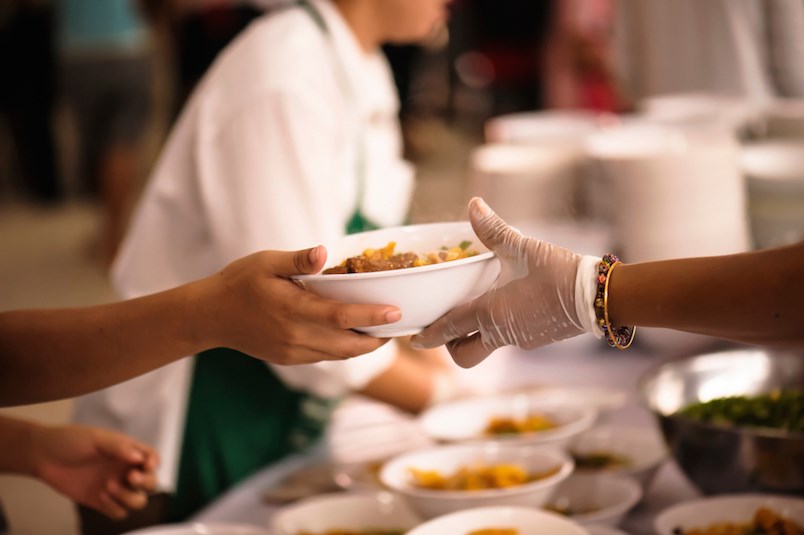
98,468
251,306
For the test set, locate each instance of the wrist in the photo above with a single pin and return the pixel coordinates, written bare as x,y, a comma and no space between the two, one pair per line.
585,292
33,450
198,316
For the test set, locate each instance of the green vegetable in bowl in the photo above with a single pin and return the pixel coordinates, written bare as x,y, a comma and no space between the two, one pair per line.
779,410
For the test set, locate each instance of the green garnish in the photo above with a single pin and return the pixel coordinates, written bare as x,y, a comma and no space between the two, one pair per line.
465,245
779,410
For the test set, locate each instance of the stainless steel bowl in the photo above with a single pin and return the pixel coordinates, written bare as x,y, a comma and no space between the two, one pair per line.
718,459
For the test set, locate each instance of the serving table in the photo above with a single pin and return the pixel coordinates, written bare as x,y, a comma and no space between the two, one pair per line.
574,363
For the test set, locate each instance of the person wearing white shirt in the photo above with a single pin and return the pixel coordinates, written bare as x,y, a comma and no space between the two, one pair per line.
291,139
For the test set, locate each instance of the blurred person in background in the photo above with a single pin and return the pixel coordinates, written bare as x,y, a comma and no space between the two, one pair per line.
578,67
744,48
28,95
108,85
292,138
196,31
498,47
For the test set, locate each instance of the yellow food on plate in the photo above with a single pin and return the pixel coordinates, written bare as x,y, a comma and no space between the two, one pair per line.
502,425
765,522
480,477
386,259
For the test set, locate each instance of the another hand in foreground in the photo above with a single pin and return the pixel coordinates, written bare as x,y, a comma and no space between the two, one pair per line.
531,304
97,468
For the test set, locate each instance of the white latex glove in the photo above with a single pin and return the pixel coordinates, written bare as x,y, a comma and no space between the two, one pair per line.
532,304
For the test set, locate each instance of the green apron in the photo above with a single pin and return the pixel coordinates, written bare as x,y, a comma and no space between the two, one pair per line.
240,416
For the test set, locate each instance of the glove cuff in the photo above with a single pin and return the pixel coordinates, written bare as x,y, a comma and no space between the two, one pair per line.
585,290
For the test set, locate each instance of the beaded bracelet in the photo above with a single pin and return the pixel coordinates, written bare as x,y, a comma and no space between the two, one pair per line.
619,337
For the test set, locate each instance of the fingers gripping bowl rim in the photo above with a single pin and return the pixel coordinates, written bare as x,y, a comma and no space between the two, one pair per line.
424,293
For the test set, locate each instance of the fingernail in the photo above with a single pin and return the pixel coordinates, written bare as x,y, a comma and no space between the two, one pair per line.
479,207
136,456
315,254
392,316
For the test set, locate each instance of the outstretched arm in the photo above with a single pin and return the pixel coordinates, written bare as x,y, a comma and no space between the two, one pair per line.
251,306
753,297
750,297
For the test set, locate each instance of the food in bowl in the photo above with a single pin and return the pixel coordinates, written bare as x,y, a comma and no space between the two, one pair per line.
479,477
637,450
446,459
596,498
423,294
725,459
599,460
502,425
766,521
385,259
516,418
779,409
568,510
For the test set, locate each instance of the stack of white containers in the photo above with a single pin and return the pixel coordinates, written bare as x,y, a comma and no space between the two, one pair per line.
664,184
775,173
671,193
531,171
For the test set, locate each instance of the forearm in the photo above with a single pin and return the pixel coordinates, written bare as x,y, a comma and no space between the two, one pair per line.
17,438
752,297
51,354
406,384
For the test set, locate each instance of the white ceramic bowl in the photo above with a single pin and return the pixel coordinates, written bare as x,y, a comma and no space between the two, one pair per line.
424,293
200,528
396,475
527,521
644,448
466,420
548,127
597,499
727,508
345,511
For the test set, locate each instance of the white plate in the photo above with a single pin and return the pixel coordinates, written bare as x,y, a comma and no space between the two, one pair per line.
466,420
526,520
346,511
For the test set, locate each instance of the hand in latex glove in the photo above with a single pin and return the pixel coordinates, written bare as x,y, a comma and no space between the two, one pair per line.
532,303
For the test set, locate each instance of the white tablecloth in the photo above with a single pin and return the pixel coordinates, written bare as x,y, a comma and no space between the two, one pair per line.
578,362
